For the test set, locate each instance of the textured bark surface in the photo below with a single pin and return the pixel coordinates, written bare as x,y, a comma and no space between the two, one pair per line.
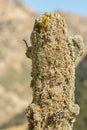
54,54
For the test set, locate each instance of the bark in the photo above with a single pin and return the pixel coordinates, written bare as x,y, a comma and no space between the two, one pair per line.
54,54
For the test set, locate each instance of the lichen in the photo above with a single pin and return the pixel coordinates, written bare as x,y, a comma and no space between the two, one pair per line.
54,54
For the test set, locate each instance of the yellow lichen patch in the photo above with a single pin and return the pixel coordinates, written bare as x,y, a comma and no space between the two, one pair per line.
42,25
64,22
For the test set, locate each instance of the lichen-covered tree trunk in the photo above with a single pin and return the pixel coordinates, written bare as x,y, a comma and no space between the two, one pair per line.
54,54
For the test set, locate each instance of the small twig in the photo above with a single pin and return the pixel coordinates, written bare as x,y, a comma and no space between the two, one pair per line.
25,43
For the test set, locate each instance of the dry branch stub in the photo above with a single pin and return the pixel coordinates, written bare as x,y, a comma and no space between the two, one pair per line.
54,54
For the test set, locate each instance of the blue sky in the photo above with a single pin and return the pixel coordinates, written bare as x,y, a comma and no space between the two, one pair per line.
73,6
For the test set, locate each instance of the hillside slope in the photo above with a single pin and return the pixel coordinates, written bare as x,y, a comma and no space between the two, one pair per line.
15,24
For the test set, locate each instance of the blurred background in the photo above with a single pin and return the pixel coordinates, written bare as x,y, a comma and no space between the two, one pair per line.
16,23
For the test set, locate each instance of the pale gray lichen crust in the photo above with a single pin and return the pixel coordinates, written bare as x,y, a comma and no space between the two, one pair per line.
54,54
